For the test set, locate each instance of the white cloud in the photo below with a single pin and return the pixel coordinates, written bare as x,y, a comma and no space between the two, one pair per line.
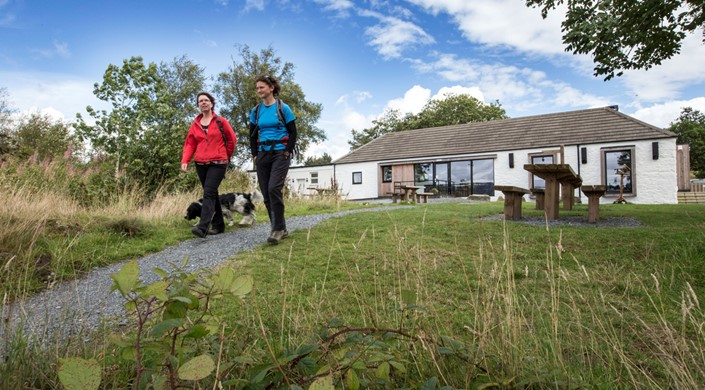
459,90
254,4
392,35
61,96
662,115
60,49
339,6
502,23
412,102
667,80
523,89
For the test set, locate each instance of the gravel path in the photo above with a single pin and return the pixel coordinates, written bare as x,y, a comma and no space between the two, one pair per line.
74,305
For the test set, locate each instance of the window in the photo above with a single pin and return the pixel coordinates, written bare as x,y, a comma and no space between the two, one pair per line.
387,174
314,177
618,170
357,177
537,182
423,174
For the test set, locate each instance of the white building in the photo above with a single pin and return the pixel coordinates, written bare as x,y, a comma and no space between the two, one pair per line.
472,158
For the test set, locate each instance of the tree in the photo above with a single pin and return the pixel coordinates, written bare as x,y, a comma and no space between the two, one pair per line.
449,110
390,121
690,128
7,143
236,87
626,34
455,110
41,135
152,107
322,160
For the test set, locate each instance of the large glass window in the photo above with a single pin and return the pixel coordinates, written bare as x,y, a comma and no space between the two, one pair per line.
619,170
537,182
457,178
483,177
423,174
387,174
442,178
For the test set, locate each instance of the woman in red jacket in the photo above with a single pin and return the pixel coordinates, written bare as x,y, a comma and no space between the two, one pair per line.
211,142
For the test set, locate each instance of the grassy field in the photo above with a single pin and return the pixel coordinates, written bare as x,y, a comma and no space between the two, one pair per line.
480,303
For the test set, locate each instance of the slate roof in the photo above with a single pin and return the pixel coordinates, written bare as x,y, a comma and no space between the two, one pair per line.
584,127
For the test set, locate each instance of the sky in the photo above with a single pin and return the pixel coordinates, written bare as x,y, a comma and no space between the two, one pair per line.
356,58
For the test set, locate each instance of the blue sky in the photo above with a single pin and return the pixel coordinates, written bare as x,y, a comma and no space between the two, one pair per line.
356,58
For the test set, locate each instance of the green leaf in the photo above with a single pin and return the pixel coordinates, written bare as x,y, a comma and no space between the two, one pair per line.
382,371
156,290
159,382
352,380
163,274
242,285
224,279
125,280
197,332
163,327
430,384
128,353
197,368
79,374
322,383
307,365
398,366
175,309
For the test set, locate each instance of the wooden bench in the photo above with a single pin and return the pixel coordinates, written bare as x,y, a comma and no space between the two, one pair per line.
395,196
556,176
513,196
540,195
424,196
593,193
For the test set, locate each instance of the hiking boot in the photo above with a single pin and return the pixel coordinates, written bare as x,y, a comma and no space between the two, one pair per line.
213,231
285,234
276,236
198,232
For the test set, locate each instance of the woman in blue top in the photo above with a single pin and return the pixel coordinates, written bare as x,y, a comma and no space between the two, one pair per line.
272,142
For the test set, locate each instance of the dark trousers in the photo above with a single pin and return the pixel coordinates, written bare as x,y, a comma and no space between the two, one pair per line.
211,175
272,168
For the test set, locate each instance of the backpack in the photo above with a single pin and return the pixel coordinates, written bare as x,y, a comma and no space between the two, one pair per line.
280,113
280,116
222,132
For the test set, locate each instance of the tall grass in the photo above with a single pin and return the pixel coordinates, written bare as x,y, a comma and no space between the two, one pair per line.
525,305
495,304
58,219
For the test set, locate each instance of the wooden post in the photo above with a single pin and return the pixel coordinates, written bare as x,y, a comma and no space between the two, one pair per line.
551,200
540,195
593,193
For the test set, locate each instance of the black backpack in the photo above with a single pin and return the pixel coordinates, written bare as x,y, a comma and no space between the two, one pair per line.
280,116
222,132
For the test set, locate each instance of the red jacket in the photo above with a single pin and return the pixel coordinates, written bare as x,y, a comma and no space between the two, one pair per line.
208,147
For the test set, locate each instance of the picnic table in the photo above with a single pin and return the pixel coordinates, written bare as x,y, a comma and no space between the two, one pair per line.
556,176
409,192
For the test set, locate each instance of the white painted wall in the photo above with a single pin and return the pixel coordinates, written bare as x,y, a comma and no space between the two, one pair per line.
370,180
300,179
656,180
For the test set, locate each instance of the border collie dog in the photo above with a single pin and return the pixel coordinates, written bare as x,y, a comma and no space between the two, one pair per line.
232,202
